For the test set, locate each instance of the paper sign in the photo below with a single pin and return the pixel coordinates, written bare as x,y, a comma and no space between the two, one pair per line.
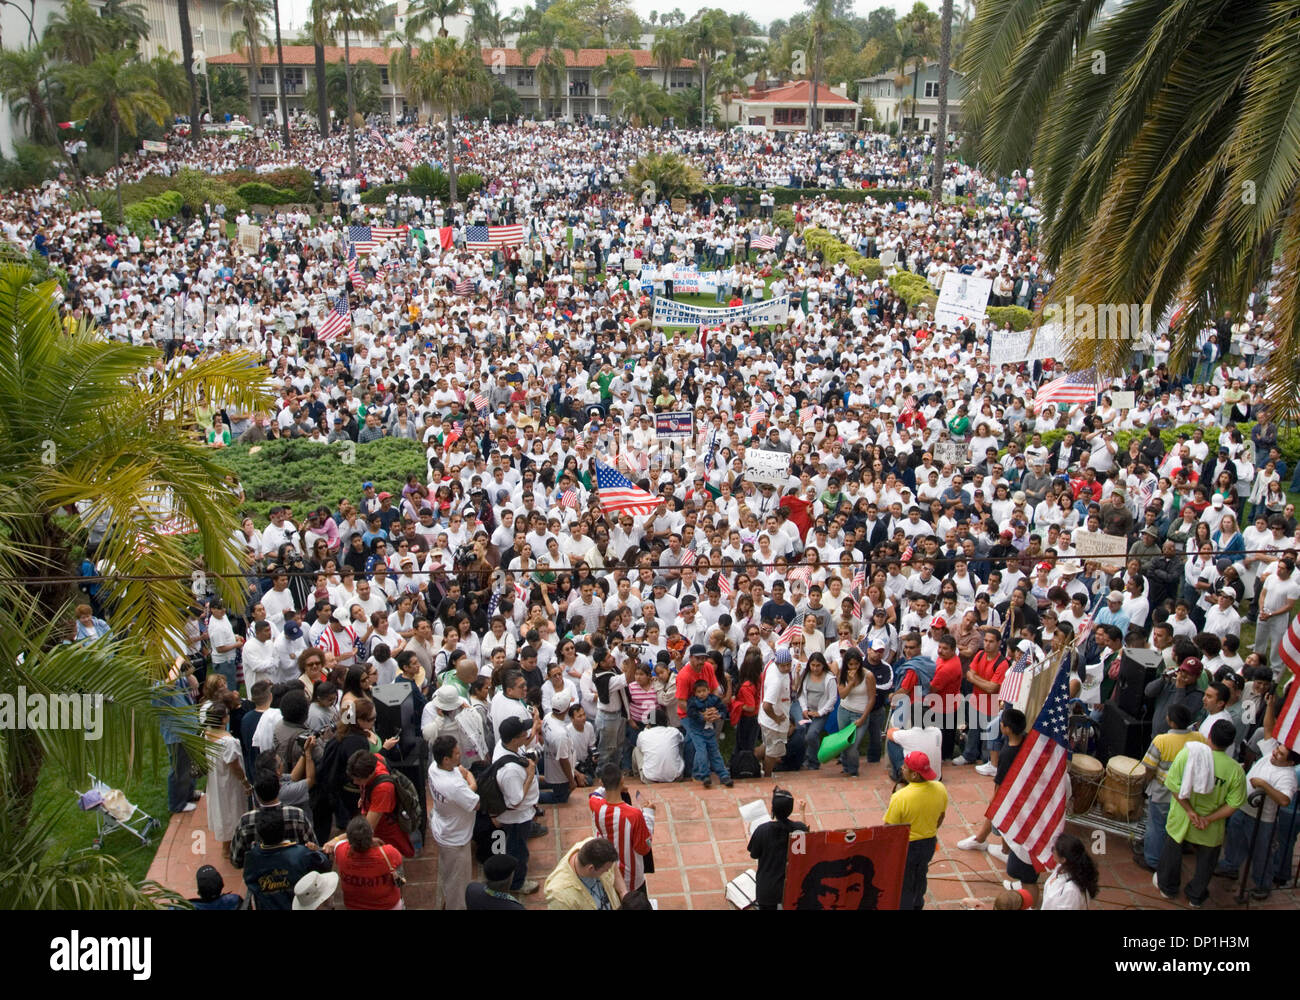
250,238
767,466
678,424
963,299
1123,400
670,313
1108,550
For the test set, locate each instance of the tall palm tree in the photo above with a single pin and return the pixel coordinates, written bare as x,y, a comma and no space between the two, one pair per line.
450,76
423,13
1166,174
917,30
23,83
487,25
126,23
667,50
170,81
728,80
318,27
187,56
612,68
116,90
77,33
707,39
119,444
551,36
821,16
350,16
945,68
637,99
251,36
279,63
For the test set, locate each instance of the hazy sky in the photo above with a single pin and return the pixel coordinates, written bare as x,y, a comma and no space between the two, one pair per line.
294,12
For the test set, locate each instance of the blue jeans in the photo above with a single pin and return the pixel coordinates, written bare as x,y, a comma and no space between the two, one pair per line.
707,757
517,848
1236,845
974,752
850,757
919,853
1287,828
227,670
1154,843
813,741
553,794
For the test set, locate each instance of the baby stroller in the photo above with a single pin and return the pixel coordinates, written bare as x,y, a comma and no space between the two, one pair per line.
114,812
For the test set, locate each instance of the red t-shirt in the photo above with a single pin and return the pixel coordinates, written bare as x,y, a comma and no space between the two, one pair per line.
686,678
381,796
366,878
990,670
947,676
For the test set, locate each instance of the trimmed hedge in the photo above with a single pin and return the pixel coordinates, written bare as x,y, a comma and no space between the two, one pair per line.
789,196
914,290
298,181
310,473
140,214
833,251
1017,316
440,188
263,194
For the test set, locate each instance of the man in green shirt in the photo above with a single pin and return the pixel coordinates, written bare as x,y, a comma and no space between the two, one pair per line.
1199,819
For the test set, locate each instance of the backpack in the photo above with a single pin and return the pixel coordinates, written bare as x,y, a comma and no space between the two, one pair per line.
491,799
408,811
744,764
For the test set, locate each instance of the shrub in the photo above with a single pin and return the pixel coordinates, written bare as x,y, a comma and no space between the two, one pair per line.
309,473
140,214
784,218
299,181
914,290
199,189
1019,317
263,194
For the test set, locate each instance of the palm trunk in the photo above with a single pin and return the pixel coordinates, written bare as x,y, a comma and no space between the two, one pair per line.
279,59
117,166
941,141
451,160
916,79
352,105
187,54
704,91
322,98
252,91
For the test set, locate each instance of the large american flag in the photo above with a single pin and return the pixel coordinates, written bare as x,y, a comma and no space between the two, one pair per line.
464,286
1287,728
617,493
1029,808
338,322
793,629
763,242
491,237
1076,387
368,238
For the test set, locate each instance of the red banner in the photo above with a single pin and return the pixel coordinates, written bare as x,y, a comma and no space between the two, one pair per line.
846,869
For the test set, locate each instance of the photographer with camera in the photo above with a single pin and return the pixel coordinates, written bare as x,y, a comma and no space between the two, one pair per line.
520,789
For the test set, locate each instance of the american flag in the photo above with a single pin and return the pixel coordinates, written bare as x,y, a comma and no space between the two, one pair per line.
480,401
1287,728
464,286
408,147
376,135
618,493
802,574
1029,808
1078,387
712,453
763,242
338,322
1013,679
368,238
757,415
860,577
791,630
569,498
724,586
491,237
688,557
354,268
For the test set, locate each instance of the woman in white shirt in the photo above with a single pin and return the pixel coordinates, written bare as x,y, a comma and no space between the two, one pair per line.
1074,880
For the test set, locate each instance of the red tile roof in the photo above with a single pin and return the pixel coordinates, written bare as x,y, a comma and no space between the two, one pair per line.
303,55
798,93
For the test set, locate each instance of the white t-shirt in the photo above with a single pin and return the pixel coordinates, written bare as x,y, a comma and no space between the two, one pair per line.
555,738
1281,778
1060,892
451,815
776,692
661,753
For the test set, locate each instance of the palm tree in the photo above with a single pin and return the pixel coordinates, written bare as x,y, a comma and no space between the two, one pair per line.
319,30
637,99
187,56
120,443
820,25
170,80
1166,174
612,68
353,15
279,63
487,26
945,67
551,37
424,12
707,39
667,49
118,91
77,33
126,23
23,79
450,76
252,37
728,80
918,43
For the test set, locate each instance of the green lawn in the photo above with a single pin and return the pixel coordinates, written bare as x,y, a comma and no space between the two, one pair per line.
75,830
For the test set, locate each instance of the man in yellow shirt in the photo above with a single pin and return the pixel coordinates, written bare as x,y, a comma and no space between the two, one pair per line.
922,804
1162,752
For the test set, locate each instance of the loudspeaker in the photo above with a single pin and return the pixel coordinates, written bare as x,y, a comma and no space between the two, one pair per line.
1137,668
1122,733
394,709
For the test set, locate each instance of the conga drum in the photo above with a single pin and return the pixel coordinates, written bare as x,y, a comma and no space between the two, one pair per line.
1121,789
1086,775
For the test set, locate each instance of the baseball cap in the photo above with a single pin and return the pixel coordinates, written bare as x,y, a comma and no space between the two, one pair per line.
1115,595
293,630
560,702
938,622
919,761
1192,666
877,643
385,496
698,650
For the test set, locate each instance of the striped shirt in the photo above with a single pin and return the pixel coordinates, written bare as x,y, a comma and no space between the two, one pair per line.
629,830
644,703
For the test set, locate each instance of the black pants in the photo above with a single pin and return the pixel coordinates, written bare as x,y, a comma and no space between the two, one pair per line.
180,782
1169,873
919,853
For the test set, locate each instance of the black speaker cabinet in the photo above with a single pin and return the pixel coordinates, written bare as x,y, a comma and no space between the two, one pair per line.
1123,733
394,709
1137,668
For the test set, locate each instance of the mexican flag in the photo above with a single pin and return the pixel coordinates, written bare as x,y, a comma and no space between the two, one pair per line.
428,237
78,125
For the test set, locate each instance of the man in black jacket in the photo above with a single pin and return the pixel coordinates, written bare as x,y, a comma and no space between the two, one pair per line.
1164,574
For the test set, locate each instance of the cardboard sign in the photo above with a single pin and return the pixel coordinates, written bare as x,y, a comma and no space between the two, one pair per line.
1123,400
858,869
679,424
950,453
678,204
767,467
1108,550
963,297
153,146
250,238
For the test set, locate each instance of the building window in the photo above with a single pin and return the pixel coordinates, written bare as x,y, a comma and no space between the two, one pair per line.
268,106
527,78
837,115
790,116
293,79
383,76
267,77
931,88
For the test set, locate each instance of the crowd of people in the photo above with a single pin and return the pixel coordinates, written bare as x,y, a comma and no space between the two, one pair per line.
931,528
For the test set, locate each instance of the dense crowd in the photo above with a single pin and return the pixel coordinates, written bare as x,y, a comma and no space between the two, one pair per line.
542,643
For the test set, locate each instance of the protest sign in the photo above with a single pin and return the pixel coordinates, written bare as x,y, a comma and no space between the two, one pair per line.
767,466
670,313
678,424
963,297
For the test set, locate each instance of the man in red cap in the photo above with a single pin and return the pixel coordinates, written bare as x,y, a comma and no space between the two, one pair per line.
922,804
